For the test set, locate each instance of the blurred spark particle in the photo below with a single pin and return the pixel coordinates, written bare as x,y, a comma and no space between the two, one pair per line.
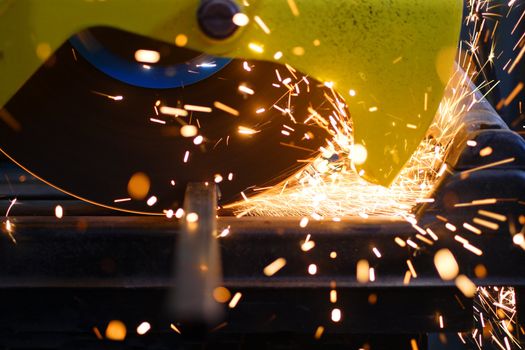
274,267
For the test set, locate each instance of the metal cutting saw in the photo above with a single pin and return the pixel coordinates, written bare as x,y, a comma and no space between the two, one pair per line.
136,120
390,65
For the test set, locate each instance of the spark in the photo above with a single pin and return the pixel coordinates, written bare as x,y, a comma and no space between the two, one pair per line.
472,228
333,296
400,242
411,268
181,40
412,244
343,189
371,274
261,24
432,234
446,264
319,332
151,201
362,274
207,65
477,202
198,140
97,333
312,269
175,329
274,267
307,245
293,7
143,328
499,304
189,131
194,108
177,112
158,121
491,165
240,19
304,222
192,217
116,330
179,213
336,315
466,286
424,239
235,300
147,56
246,90
486,223
11,204
59,212
246,131
298,51
406,279
450,227
225,108
473,249
111,97
495,216
224,232
487,151
518,239
120,200
256,47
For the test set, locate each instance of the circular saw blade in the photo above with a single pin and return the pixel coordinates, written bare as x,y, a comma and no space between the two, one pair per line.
88,134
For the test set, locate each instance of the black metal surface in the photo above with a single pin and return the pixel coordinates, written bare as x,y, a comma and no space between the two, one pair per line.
102,267
138,252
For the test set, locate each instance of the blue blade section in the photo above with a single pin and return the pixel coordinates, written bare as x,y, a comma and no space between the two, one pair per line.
148,76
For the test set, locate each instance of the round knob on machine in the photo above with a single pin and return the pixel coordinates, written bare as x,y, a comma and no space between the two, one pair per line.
215,18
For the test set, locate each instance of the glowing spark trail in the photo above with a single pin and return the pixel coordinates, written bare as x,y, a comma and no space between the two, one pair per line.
329,185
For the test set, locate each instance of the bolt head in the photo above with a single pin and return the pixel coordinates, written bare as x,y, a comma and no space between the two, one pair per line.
215,18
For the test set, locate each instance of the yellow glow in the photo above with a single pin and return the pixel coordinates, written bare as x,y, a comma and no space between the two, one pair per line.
116,330
181,40
446,264
189,131
138,186
221,295
358,154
